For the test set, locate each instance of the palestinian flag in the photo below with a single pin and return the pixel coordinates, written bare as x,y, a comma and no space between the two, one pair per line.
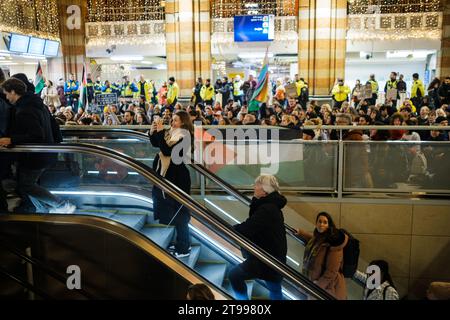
39,82
83,101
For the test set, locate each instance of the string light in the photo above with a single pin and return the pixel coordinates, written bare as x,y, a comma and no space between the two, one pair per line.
387,6
37,18
131,10
229,8
383,20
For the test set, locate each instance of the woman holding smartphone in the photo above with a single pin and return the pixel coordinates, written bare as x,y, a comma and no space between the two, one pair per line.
174,145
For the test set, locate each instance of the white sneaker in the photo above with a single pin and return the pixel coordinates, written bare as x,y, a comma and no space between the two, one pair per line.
66,208
181,255
172,248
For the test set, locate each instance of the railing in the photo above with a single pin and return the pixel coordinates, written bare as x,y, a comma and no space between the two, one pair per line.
198,210
327,167
332,167
41,267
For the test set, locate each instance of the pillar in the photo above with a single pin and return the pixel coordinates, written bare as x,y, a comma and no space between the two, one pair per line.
188,42
443,61
322,31
73,43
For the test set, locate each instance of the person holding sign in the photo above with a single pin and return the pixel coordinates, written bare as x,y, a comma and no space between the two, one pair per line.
391,90
374,84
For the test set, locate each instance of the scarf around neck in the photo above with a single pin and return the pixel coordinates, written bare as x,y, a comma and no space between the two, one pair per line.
172,137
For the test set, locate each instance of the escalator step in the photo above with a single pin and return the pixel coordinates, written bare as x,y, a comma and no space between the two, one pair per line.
135,221
161,235
96,213
191,261
227,287
215,273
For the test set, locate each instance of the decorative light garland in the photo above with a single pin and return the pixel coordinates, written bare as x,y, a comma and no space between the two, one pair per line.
38,18
131,10
230,8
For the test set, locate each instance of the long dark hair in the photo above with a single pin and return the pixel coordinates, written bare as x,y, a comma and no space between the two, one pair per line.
332,232
385,275
2,76
186,122
433,83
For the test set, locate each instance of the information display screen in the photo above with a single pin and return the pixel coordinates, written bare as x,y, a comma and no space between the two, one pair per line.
19,43
51,48
254,28
36,46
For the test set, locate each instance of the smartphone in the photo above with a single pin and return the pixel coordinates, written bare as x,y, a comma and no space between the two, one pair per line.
156,119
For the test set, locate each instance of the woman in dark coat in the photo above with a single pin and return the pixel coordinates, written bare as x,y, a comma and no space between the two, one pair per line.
265,228
324,256
174,145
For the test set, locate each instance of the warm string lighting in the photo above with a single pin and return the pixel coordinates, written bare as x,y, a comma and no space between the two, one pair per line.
395,26
230,8
389,6
39,17
131,10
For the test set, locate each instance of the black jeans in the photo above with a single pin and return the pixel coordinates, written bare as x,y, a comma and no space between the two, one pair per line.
170,212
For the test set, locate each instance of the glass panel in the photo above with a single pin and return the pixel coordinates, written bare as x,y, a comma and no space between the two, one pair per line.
299,165
137,147
399,166
61,183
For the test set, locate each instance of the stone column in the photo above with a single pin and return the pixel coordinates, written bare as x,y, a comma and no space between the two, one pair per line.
188,42
73,41
322,31
443,61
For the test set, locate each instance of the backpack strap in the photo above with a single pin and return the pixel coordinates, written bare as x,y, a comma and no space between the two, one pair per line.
384,291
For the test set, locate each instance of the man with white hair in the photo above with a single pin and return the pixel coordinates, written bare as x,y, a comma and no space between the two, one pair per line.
265,228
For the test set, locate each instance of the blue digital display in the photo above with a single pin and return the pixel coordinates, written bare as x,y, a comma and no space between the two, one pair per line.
19,43
51,48
254,28
36,46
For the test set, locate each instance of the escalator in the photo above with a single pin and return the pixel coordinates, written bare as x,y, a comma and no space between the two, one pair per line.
208,189
121,193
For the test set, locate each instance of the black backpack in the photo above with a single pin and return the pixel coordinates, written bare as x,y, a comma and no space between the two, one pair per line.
351,255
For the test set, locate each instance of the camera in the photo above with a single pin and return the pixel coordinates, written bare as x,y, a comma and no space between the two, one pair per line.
111,49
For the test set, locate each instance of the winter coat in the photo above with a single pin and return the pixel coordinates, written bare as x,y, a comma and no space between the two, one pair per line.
50,97
164,207
31,123
265,228
326,268
5,115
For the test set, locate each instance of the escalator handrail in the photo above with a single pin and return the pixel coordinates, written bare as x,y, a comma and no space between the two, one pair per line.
180,196
204,171
127,233
39,265
25,284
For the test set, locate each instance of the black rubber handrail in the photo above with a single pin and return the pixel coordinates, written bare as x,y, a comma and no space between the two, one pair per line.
205,215
25,284
41,266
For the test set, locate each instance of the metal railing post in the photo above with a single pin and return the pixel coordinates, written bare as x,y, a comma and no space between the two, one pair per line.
340,169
